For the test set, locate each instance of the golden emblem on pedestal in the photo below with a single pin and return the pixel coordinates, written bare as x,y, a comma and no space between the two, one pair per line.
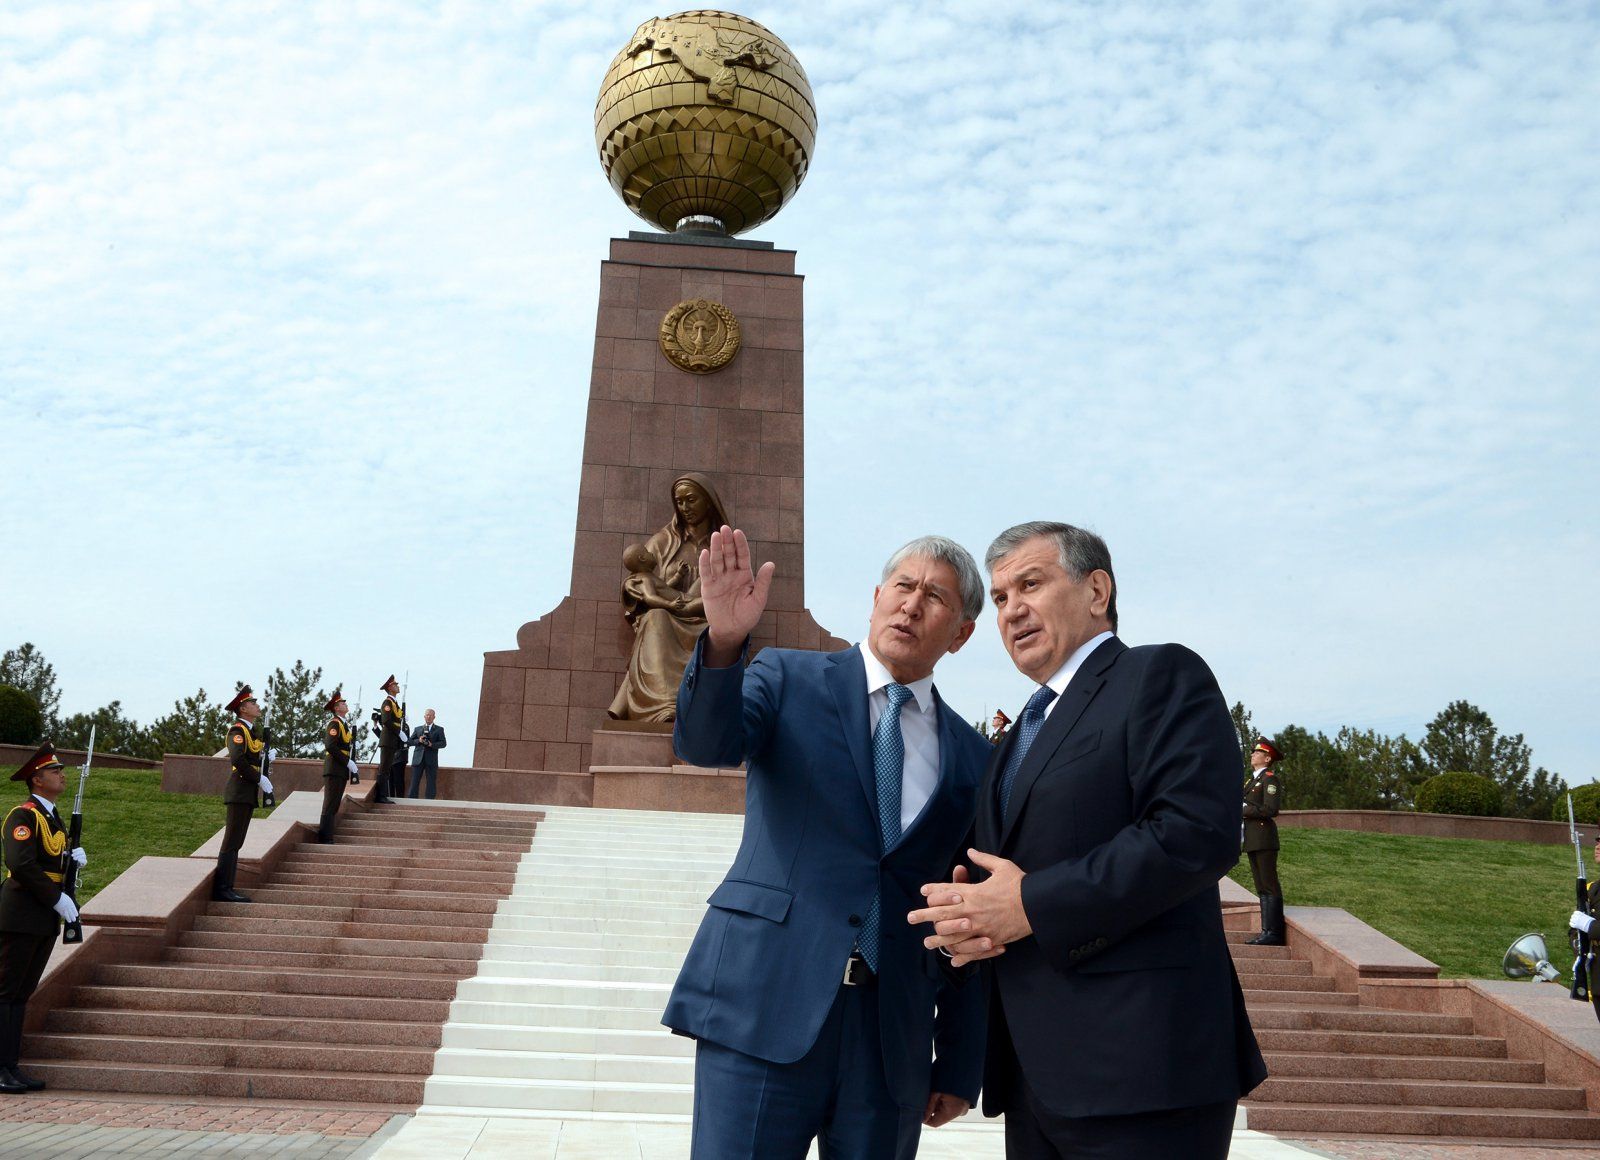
705,115
700,336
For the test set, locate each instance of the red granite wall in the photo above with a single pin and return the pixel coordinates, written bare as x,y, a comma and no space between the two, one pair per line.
648,422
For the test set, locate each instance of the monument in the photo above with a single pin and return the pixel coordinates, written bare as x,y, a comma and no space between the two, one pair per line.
705,127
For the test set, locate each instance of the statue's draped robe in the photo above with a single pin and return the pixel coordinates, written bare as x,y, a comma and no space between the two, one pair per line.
663,640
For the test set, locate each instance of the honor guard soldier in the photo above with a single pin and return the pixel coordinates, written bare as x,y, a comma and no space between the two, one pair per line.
1263,795
32,903
391,743
338,767
245,780
998,726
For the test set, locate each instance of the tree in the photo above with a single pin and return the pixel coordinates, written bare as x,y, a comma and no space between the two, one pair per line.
114,733
195,725
294,702
1246,731
25,668
1463,738
1379,772
21,723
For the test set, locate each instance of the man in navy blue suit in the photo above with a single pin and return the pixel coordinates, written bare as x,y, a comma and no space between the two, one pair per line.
1117,1026
819,1014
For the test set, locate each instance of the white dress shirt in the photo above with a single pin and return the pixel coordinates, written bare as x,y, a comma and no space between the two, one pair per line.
1063,676
919,726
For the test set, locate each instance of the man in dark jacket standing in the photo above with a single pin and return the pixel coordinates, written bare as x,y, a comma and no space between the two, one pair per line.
426,740
32,903
338,766
1117,1025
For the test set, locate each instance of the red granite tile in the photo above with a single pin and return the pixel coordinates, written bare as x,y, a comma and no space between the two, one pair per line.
563,756
616,322
543,723
618,291
501,684
546,687
674,386
524,755
592,480
602,352
782,427
581,723
634,386
638,354
660,289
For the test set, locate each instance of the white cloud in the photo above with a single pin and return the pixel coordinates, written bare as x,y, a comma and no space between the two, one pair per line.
321,278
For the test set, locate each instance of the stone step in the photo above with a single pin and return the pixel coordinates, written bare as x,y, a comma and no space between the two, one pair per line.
664,971
570,1096
537,1066
428,900
235,978
403,842
258,1003
657,1041
564,992
1242,953
1379,1043
263,908
322,962
406,882
569,948
1265,981
224,1053
374,856
235,1083
308,944
180,1024
1330,1065
356,872
1299,968
1361,1019
1255,1000
1412,1092
1390,1120
483,1007
266,926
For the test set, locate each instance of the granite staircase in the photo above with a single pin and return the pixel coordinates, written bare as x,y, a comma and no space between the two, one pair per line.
333,984
1339,1067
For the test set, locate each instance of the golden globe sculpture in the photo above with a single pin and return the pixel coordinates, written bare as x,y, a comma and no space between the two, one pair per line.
705,122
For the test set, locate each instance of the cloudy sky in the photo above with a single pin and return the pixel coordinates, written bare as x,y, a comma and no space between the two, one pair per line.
1295,303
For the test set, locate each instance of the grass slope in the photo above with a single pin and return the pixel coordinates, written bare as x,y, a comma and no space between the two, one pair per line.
1456,901
126,816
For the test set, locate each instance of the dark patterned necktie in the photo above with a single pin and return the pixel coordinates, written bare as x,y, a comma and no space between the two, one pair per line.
1027,729
888,768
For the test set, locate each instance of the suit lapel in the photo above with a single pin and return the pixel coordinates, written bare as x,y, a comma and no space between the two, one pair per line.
1085,683
847,681
946,785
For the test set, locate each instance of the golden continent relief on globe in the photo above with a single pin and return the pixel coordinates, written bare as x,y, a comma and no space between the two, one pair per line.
705,115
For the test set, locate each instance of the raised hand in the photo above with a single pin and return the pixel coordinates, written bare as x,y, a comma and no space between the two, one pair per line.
734,594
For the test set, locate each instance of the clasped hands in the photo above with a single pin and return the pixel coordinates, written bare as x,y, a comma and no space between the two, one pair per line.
973,921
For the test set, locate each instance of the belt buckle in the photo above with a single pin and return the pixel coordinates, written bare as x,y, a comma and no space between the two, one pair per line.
848,964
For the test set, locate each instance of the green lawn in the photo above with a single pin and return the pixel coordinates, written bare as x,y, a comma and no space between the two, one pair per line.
1455,901
126,816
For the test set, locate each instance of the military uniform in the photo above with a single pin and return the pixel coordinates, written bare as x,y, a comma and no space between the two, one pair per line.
391,746
1263,794
245,754
35,844
337,741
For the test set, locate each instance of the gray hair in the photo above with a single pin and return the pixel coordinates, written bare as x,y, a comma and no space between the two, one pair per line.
946,551
1081,552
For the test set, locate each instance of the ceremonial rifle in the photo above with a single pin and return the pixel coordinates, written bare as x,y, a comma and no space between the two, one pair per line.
268,800
72,932
355,742
1580,969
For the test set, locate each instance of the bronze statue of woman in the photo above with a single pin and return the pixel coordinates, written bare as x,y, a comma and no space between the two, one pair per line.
661,599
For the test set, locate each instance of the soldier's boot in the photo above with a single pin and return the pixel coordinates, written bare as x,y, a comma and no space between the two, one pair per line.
15,1013
222,882
1271,922
9,1084
325,828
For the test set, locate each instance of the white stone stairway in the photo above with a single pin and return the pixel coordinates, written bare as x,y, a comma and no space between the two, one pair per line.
555,1050
563,1018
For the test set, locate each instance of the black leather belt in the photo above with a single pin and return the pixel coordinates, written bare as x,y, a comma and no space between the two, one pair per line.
857,973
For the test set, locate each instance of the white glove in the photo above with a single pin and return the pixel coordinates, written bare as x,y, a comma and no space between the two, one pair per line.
272,755
67,908
353,767
266,784
1581,922
80,857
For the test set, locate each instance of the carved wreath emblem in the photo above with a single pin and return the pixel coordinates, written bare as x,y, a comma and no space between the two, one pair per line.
700,336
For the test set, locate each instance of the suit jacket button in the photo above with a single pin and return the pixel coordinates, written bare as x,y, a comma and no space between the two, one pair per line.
855,920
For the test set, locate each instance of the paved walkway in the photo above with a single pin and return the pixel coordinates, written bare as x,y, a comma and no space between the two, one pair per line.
69,1127
454,1137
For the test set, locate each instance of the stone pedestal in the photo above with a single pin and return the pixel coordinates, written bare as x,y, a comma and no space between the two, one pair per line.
543,701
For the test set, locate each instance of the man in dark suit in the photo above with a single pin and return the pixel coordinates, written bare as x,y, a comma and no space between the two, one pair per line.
1117,1026
427,739
818,1014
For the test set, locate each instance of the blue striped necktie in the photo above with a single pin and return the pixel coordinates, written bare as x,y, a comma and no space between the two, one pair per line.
1027,729
888,767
